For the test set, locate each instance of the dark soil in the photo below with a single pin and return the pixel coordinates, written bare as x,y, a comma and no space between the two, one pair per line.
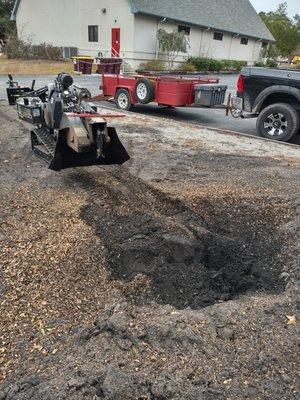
173,277
167,242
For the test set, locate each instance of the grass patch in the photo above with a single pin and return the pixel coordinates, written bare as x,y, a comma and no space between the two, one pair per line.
35,67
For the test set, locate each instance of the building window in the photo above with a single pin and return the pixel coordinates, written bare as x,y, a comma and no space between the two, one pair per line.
218,36
244,40
93,33
185,29
264,44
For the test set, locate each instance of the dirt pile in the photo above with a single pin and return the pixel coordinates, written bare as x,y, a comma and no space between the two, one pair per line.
158,352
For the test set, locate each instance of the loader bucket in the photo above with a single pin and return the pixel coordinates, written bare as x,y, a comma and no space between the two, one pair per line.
65,157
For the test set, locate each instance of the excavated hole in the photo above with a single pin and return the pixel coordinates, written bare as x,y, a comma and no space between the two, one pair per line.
186,262
184,271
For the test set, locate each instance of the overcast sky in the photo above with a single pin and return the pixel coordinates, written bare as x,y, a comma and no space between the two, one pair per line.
271,5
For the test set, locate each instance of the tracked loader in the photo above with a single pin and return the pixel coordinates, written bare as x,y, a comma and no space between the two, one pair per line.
67,130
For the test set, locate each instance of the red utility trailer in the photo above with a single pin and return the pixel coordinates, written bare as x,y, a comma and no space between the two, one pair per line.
172,91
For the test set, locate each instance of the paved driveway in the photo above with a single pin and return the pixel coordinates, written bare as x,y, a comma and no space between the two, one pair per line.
208,117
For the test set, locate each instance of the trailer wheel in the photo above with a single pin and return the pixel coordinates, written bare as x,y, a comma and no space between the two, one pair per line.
145,91
279,121
123,100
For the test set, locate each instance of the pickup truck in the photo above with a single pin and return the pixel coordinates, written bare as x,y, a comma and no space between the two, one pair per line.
273,96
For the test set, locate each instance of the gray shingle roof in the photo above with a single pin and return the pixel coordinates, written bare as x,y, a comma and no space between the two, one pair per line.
237,16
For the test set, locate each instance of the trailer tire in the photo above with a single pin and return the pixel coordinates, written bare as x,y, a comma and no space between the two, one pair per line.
123,100
279,121
145,91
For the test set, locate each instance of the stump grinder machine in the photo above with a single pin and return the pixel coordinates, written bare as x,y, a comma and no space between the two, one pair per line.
67,130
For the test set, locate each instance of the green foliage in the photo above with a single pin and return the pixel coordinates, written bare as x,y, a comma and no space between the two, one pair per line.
6,7
270,63
6,25
210,64
233,65
215,65
172,44
285,30
186,67
153,65
201,64
20,48
270,51
259,64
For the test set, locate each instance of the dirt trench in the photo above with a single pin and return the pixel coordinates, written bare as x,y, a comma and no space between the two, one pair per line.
170,253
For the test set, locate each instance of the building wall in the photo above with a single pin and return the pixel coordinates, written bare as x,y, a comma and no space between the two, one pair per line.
44,21
145,29
201,43
145,42
118,15
50,24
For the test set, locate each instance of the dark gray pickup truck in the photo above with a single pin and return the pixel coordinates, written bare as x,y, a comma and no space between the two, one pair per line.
273,96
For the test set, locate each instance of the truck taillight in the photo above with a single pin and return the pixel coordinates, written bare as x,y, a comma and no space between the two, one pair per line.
241,84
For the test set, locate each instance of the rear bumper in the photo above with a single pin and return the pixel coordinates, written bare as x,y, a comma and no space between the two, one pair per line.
238,103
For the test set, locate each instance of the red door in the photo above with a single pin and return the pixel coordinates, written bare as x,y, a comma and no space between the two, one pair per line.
115,42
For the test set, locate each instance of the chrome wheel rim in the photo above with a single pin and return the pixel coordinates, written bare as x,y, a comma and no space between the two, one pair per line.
123,100
275,124
141,91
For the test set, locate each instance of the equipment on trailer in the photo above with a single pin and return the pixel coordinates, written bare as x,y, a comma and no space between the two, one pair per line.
68,132
14,91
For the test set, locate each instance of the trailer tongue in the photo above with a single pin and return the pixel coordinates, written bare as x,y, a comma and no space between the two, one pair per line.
68,132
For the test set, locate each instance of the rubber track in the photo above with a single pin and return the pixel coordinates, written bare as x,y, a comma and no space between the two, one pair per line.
49,144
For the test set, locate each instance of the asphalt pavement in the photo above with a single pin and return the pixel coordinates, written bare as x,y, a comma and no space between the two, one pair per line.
214,118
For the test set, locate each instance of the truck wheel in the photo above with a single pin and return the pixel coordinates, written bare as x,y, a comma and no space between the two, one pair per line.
123,100
278,121
145,91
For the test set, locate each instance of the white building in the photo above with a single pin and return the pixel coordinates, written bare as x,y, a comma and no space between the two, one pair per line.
222,29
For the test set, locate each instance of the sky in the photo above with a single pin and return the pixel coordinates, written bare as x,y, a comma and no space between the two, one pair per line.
271,5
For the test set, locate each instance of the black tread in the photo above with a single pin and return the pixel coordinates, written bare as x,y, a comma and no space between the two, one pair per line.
150,90
292,116
43,144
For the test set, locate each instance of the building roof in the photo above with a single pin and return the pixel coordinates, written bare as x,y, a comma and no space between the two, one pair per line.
235,16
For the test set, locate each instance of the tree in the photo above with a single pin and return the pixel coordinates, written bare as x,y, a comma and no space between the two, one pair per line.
285,30
270,52
172,44
6,25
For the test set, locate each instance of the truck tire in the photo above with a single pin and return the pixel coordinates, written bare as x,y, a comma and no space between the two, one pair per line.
123,100
278,121
145,91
